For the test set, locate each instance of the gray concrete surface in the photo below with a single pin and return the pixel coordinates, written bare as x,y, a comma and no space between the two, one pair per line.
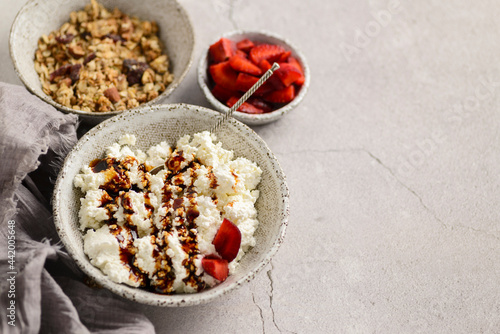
392,161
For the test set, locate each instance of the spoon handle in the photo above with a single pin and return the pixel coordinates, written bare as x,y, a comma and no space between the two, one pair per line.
245,97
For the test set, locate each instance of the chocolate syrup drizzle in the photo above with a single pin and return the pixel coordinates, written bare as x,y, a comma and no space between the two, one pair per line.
179,201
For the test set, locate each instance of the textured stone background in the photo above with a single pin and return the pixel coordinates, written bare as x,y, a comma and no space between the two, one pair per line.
393,166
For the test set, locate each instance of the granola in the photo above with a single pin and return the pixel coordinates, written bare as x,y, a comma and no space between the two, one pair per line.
102,61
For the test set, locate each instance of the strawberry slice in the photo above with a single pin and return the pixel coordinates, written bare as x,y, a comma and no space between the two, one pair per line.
245,45
241,53
216,267
288,74
281,96
245,107
245,81
294,62
221,50
269,52
242,64
222,94
224,75
260,104
264,65
284,56
227,240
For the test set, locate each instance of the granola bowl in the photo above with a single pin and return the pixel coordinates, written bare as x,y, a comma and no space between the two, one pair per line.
97,59
277,111
168,123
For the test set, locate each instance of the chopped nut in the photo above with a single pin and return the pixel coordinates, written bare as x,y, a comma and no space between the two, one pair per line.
73,17
76,51
148,77
65,81
152,95
160,64
115,37
112,94
65,39
142,97
60,56
103,104
122,83
82,16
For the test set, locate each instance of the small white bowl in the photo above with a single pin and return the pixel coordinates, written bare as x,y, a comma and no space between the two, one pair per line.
39,17
151,125
260,37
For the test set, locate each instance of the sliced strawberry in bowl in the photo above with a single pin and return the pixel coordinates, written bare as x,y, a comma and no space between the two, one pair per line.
242,64
288,74
245,81
269,52
260,104
216,267
281,96
224,75
284,56
264,65
222,94
295,63
245,45
245,107
221,50
227,241
241,53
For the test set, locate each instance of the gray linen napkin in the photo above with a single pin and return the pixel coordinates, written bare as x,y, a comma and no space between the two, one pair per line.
41,289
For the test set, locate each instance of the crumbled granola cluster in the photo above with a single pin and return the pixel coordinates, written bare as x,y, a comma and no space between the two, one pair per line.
102,61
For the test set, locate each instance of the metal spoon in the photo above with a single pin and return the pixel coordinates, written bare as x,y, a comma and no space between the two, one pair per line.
245,97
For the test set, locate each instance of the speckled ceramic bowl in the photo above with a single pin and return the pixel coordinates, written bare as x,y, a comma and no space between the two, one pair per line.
151,125
262,37
40,17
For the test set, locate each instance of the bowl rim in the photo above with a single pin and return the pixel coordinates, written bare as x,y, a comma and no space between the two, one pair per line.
255,119
98,115
175,299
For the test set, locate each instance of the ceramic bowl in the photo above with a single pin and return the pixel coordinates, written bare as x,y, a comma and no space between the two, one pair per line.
151,125
40,17
261,37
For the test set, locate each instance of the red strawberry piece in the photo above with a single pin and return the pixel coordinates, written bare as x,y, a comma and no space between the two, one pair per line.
242,64
221,50
294,62
273,83
284,56
288,74
227,240
222,94
241,53
245,107
269,52
224,75
216,267
281,96
264,65
245,45
245,81
259,103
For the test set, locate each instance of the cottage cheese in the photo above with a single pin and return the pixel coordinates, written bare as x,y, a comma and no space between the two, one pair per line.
152,231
